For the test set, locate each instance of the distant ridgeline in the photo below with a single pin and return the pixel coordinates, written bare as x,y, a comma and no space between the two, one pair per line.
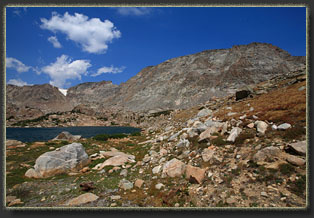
177,83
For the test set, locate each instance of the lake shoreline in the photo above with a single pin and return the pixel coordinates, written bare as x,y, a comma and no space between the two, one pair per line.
33,134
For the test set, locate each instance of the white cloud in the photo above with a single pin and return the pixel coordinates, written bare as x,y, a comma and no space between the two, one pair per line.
55,42
92,34
134,11
65,69
17,65
17,10
110,69
18,82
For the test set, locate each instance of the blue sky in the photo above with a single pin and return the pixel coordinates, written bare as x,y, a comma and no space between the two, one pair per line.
65,46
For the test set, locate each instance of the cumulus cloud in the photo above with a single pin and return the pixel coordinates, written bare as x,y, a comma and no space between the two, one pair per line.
17,65
134,11
65,69
55,42
93,35
110,69
18,82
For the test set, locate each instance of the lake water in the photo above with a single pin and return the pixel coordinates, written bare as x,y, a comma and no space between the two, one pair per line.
45,134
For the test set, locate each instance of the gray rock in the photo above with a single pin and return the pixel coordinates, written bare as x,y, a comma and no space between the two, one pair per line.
274,127
261,127
192,132
295,160
159,186
267,153
183,143
234,134
69,157
115,197
174,168
298,147
156,169
174,137
199,126
301,88
207,154
284,126
82,199
204,112
67,136
124,172
231,114
125,184
208,132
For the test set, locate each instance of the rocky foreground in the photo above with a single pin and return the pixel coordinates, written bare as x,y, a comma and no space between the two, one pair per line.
249,152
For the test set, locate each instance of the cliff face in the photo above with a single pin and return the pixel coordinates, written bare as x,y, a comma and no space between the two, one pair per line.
91,93
180,82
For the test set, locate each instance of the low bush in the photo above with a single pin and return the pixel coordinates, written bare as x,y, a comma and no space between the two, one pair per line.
294,133
105,137
101,137
136,134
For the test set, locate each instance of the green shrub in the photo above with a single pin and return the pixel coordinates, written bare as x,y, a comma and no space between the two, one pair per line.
101,137
105,137
299,186
286,169
136,134
243,136
294,133
118,136
219,141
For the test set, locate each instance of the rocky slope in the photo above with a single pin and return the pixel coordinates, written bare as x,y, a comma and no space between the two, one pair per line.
221,153
189,80
92,93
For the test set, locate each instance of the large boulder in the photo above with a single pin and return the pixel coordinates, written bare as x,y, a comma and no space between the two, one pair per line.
195,174
173,168
67,136
68,158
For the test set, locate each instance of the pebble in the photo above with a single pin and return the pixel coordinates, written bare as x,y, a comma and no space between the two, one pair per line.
115,197
159,186
264,194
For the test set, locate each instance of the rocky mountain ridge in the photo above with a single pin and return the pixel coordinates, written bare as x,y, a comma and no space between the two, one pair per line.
178,83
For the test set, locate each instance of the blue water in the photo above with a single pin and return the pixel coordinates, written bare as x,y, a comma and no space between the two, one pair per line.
45,134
